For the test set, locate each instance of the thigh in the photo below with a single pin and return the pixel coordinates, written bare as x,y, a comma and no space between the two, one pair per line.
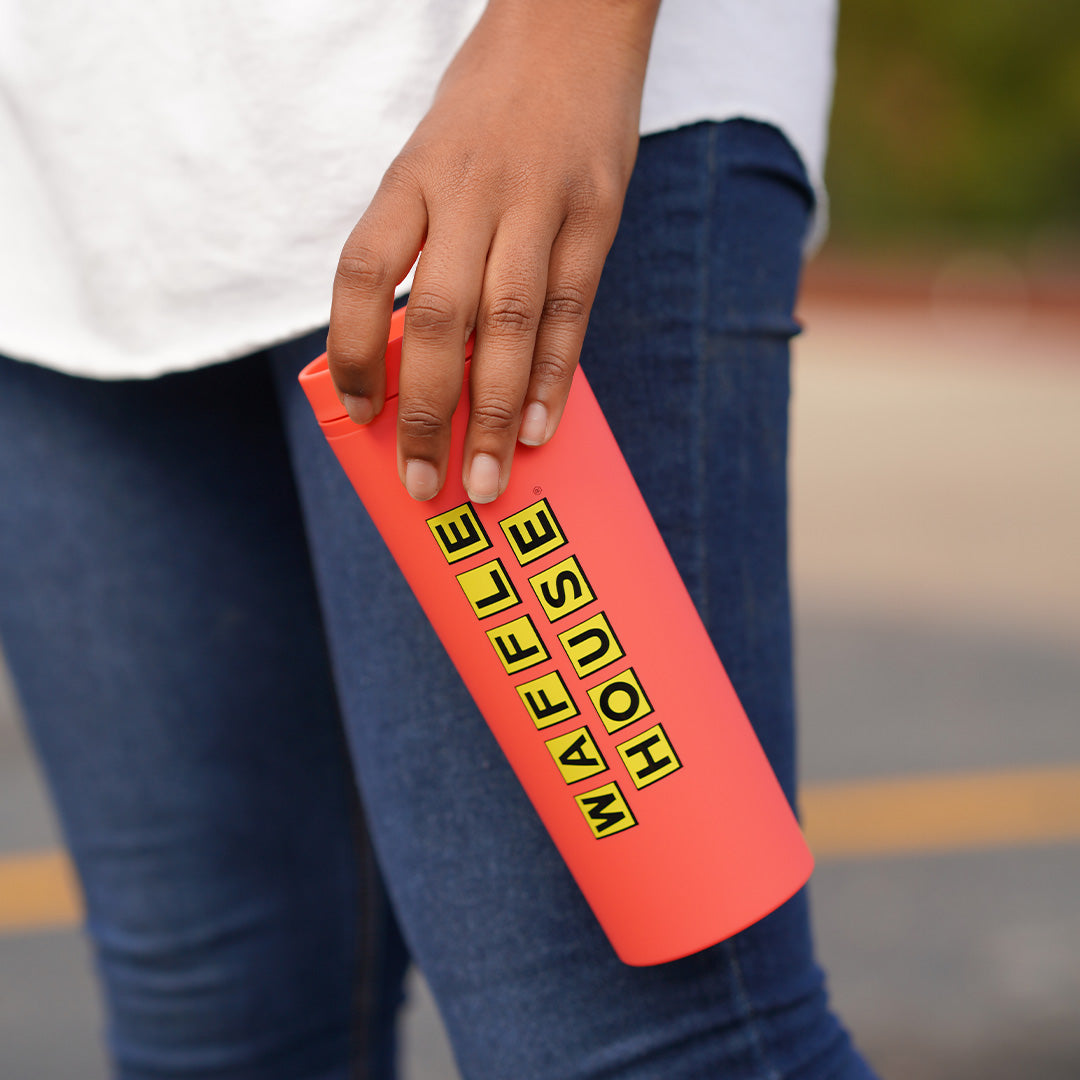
159,618
687,350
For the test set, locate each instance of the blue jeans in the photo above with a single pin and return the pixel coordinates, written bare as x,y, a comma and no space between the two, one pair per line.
211,642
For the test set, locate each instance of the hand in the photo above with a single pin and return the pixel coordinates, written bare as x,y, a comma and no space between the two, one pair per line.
513,184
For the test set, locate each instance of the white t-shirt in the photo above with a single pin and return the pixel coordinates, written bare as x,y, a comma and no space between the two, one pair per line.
177,178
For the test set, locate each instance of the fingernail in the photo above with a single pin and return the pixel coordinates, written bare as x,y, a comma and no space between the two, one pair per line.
533,425
421,480
361,410
483,482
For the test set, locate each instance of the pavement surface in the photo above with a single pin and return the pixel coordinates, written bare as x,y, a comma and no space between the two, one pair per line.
936,525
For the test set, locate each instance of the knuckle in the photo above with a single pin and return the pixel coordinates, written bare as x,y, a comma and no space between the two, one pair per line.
587,196
351,376
585,202
352,367
493,415
593,199
551,367
361,267
568,303
419,422
510,313
431,313
465,170
403,173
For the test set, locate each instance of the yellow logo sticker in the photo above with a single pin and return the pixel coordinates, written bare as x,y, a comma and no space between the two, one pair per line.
605,810
591,645
547,700
533,532
577,755
562,589
620,700
518,645
458,533
649,756
488,589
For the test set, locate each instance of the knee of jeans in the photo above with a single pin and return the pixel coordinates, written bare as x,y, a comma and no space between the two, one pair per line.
201,987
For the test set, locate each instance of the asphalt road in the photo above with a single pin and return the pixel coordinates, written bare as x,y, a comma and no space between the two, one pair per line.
936,522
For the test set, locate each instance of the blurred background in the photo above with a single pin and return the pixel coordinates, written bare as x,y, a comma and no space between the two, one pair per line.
936,535
936,540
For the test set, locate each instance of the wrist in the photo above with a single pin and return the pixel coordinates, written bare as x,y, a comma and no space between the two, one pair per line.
604,29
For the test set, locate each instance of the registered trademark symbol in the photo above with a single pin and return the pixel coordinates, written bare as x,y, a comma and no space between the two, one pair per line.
537,490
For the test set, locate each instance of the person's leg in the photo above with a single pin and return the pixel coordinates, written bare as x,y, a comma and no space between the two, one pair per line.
158,615
687,350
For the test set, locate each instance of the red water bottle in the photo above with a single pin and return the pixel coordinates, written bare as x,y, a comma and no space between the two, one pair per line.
563,612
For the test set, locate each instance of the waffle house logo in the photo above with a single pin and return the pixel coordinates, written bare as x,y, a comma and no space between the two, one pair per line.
544,621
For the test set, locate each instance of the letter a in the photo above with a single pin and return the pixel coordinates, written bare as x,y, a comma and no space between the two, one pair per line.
574,755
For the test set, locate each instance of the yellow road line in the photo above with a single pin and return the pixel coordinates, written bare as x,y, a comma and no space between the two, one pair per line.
38,892
947,812
856,819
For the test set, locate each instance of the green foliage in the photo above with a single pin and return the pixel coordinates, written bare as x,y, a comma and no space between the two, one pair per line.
956,118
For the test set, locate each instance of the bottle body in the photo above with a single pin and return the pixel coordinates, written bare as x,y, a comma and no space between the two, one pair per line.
563,612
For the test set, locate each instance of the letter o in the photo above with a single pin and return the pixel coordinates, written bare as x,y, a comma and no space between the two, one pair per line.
619,715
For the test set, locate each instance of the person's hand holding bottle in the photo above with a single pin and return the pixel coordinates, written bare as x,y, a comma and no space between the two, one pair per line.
513,184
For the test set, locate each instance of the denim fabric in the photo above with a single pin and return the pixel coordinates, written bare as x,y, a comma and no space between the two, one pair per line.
173,650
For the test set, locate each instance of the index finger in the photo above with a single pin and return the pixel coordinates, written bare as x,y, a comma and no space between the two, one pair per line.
376,257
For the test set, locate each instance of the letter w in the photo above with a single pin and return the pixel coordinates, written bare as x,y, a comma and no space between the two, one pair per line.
598,811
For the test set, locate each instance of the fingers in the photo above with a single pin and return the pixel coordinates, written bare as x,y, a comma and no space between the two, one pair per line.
529,304
573,277
438,320
522,272
378,254
511,306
